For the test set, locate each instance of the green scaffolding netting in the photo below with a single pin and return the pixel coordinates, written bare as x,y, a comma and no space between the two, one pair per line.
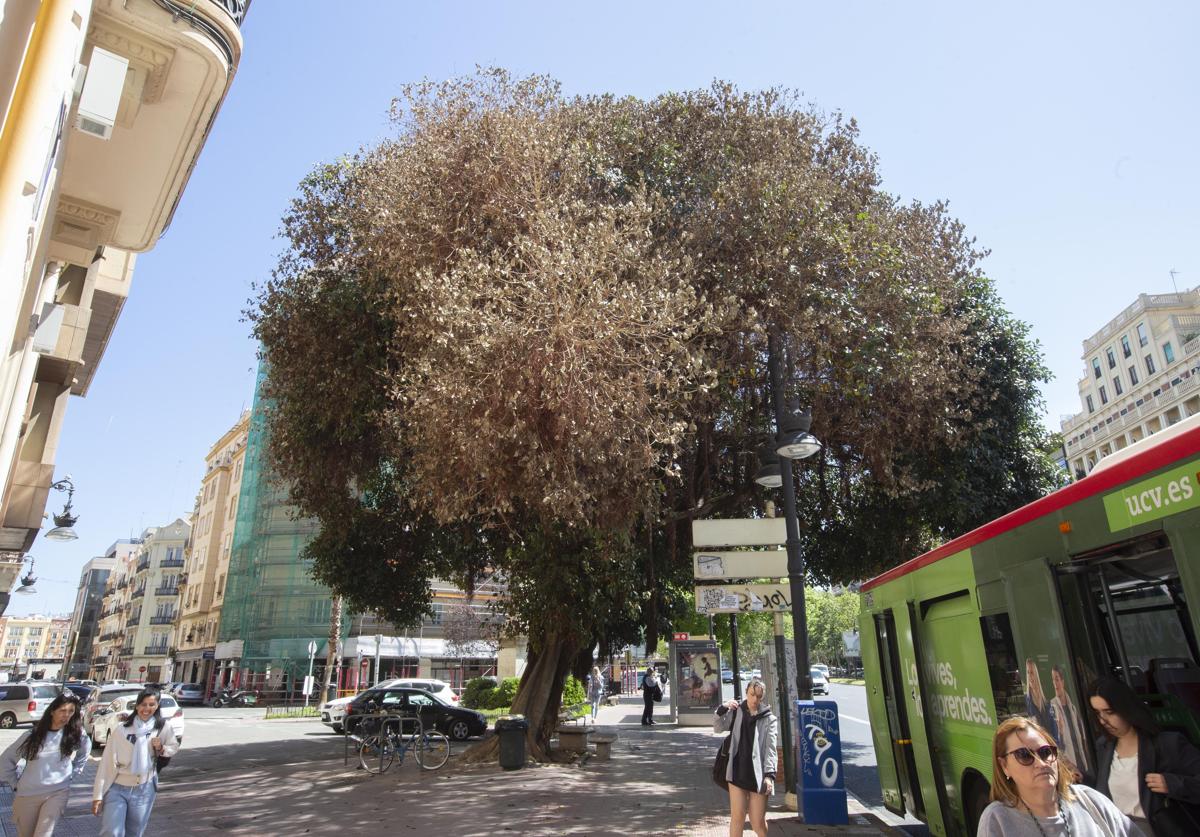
271,602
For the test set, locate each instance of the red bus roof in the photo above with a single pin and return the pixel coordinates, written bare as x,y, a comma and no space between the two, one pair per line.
1153,458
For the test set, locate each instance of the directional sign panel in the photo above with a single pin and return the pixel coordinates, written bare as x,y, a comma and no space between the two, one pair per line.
713,565
744,598
767,531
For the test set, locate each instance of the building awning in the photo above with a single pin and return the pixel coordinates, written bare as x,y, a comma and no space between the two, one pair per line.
198,654
230,650
407,646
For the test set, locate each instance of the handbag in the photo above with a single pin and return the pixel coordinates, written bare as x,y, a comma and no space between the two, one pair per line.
721,764
1175,819
657,694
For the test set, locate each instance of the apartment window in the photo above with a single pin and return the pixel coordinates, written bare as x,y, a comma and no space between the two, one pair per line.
1112,357
221,585
1117,386
237,471
1133,378
1096,367
1149,365
233,502
1103,396
1168,353
1141,332
1126,349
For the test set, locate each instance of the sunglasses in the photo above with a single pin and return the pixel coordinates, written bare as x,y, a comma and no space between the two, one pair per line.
1048,753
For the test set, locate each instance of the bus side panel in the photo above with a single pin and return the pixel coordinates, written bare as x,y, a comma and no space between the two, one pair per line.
889,780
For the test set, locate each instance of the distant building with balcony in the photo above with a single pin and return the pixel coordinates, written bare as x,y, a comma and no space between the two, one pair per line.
1141,374
140,608
31,638
105,106
202,585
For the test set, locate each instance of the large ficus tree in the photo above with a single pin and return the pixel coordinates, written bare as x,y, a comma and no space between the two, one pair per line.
527,336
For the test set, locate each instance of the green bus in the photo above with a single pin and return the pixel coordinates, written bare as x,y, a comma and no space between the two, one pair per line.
1019,616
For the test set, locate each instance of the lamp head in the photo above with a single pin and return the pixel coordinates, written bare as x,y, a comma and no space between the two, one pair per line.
769,474
794,440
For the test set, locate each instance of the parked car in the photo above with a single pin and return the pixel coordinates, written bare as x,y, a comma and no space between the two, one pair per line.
455,721
24,703
116,712
824,669
101,696
189,694
437,688
820,683
79,690
726,675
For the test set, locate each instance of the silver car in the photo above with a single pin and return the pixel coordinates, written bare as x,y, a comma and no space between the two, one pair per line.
24,703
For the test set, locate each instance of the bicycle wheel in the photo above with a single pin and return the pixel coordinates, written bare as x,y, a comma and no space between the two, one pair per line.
433,750
376,753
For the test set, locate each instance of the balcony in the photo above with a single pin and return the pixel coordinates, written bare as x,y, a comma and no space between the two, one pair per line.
169,619
134,619
137,594
100,660
125,651
166,591
122,584
143,563
155,650
168,563
182,56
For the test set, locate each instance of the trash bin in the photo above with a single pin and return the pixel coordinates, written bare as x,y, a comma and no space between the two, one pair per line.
512,729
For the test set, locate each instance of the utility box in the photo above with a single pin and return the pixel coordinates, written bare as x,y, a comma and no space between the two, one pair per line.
101,94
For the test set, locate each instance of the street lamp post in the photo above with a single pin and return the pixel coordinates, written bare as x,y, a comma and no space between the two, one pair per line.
794,443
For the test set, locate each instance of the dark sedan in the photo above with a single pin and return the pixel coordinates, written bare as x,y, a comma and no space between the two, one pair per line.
457,722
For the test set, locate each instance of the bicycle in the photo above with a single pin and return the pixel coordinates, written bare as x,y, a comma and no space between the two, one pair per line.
378,750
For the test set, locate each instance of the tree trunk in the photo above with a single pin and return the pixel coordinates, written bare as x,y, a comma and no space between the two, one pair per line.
331,654
539,697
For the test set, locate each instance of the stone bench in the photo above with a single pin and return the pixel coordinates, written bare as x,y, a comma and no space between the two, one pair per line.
604,746
573,739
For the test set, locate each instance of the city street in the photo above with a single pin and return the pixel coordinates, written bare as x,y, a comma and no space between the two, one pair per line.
240,774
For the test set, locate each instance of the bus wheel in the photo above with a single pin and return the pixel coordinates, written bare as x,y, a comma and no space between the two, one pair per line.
975,799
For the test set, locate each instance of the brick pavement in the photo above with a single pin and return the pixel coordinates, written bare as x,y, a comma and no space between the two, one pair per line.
657,783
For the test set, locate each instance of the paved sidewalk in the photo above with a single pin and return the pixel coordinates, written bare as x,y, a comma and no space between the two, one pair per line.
657,783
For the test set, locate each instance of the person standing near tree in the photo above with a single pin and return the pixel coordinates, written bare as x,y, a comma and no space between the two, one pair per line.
651,691
595,690
55,751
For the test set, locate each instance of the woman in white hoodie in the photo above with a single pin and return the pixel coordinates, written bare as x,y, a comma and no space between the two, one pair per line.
127,780
54,752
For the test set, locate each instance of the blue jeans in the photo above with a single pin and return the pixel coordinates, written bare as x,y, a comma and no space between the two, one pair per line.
127,810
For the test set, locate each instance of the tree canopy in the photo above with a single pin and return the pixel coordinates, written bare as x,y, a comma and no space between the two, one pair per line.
527,335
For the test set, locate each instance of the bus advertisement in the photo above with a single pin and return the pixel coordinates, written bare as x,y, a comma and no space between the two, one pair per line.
1020,616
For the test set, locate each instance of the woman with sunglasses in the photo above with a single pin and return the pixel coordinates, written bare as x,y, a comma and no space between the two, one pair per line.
1151,775
127,781
55,751
1031,797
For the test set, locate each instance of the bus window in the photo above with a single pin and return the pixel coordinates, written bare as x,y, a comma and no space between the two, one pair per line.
1004,668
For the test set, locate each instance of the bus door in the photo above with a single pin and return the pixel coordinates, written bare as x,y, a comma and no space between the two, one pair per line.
1127,616
897,715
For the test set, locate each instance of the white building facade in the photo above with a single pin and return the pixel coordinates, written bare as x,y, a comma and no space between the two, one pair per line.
1141,375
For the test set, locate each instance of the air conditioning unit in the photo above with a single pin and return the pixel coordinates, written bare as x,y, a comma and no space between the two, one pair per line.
101,95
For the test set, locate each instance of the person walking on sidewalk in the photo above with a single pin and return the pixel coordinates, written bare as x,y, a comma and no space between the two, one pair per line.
651,692
595,690
55,751
752,757
127,781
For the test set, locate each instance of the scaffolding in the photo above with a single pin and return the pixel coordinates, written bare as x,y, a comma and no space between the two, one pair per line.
273,608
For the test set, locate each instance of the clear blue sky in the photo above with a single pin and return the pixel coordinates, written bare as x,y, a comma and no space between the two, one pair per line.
1064,136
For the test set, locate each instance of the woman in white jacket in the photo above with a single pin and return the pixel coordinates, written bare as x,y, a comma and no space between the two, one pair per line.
127,780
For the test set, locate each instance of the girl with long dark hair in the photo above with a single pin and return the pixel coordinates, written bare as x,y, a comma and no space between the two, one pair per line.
1152,775
54,752
127,781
